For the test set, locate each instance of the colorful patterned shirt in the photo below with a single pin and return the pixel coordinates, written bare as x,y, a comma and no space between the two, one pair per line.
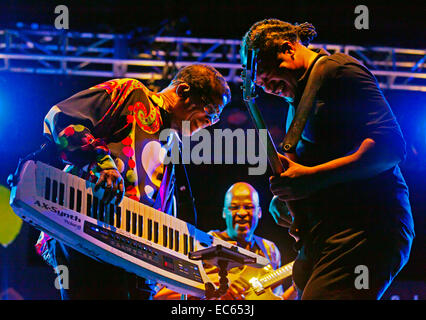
116,124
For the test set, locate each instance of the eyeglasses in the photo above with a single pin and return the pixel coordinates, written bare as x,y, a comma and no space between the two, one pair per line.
212,111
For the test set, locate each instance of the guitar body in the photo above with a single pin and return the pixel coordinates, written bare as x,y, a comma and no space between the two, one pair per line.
249,272
267,295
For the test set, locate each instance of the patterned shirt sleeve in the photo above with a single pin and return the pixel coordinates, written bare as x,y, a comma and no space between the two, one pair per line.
82,125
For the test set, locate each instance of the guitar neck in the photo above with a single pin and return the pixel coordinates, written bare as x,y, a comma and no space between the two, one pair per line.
269,146
275,276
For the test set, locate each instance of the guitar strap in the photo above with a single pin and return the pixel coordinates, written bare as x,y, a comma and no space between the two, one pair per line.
305,105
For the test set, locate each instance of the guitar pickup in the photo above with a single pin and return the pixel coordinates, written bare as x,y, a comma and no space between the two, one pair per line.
257,286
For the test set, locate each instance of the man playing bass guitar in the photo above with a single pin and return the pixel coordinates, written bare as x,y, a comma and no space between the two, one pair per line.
342,183
242,212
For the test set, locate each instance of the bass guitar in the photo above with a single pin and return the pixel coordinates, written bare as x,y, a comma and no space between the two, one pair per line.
248,76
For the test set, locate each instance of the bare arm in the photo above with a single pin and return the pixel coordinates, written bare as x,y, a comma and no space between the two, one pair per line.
299,181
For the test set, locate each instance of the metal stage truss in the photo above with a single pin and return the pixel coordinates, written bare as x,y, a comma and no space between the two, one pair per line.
155,58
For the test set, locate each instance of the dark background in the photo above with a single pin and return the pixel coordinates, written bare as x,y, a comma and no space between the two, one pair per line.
395,23
25,99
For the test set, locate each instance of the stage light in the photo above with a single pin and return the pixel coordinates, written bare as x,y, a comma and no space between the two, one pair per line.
237,118
11,224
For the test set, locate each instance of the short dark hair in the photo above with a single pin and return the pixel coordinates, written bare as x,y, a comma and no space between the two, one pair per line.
204,81
263,35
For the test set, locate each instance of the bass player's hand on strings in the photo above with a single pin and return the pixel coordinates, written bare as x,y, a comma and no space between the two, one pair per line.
296,182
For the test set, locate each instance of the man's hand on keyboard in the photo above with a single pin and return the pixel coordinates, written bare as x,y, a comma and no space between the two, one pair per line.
113,183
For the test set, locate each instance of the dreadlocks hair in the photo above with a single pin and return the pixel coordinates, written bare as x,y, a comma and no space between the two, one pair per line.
265,35
204,80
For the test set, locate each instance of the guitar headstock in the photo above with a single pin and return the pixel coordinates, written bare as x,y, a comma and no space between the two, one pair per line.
248,75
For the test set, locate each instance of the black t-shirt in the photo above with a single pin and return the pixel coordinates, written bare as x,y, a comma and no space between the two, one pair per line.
349,108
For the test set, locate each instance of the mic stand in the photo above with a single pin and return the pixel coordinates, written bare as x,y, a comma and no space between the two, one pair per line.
225,259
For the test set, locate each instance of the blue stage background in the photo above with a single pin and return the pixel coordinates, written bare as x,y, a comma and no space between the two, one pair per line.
26,98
